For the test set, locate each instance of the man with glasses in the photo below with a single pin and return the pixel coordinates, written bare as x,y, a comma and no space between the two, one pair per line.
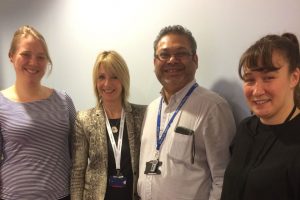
187,131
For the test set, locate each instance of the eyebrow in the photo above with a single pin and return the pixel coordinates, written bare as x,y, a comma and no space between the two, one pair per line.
176,48
28,51
263,71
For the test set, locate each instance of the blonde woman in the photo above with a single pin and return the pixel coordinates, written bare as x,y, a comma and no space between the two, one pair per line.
35,125
107,137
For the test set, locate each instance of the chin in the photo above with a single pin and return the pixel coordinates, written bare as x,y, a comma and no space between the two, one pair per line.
261,114
173,81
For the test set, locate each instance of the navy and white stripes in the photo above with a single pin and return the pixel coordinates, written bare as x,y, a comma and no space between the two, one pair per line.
35,148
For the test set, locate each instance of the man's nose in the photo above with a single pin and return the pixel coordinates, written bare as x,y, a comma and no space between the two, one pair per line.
173,59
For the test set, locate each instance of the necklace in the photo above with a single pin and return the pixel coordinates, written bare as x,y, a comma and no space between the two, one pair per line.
114,129
291,114
114,123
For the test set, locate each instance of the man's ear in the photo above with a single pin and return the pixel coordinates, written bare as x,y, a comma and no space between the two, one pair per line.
195,59
154,62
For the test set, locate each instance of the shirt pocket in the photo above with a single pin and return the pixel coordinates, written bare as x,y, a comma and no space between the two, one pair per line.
183,147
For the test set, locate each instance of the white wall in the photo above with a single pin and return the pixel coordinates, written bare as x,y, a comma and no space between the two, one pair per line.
76,30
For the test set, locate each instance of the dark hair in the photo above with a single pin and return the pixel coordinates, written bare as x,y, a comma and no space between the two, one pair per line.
179,30
292,38
258,57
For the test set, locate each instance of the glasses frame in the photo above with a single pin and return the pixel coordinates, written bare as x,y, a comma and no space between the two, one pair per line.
176,55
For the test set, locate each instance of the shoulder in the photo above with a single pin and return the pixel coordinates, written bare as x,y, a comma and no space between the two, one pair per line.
93,117
247,125
2,96
9,93
136,110
208,103
138,107
208,96
245,130
249,121
88,117
62,94
65,98
88,113
155,102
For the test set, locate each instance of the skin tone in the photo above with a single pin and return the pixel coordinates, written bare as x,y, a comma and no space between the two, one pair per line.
270,94
110,89
175,73
30,64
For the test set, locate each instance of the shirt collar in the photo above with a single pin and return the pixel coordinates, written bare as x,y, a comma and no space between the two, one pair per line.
178,96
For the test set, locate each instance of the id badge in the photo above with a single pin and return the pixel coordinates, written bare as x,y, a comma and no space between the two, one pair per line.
152,167
117,181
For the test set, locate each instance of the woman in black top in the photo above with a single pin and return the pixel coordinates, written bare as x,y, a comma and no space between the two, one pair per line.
265,163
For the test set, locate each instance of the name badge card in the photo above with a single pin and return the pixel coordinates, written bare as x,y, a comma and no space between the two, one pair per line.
152,167
117,181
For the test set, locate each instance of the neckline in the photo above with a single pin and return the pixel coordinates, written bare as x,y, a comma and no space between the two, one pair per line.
291,114
114,120
29,102
287,119
294,119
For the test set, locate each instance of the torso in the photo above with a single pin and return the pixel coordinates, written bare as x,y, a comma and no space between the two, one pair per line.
35,146
264,166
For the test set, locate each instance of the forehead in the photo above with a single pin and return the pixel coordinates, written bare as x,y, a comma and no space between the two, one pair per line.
258,72
103,69
30,43
173,42
279,59
264,65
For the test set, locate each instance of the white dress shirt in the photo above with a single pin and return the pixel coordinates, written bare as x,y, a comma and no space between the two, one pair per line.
211,119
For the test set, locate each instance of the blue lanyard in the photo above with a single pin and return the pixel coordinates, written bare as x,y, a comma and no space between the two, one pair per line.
160,140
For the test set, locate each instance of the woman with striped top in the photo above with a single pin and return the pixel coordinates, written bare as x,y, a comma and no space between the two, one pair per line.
35,126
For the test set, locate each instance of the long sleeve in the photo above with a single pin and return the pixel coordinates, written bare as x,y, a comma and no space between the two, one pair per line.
80,160
218,133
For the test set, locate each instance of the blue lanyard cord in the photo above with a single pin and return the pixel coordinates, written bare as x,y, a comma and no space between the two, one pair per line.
160,140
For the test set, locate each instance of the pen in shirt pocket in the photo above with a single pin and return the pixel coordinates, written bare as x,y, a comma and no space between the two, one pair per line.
186,131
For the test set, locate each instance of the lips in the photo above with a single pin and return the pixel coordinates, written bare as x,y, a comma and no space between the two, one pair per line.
261,102
108,91
32,71
173,70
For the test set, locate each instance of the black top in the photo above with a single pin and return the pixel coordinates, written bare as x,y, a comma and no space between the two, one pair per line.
265,163
125,193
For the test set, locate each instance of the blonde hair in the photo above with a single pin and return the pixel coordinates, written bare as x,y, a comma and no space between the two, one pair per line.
25,31
112,62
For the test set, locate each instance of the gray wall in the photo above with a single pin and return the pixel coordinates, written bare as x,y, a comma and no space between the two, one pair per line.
76,30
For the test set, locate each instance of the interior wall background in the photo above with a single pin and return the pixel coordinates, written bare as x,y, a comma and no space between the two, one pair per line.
77,30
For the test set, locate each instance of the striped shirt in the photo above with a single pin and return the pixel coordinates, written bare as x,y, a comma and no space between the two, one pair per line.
35,148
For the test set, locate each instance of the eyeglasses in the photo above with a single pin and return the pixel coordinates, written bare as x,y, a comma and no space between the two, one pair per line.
164,56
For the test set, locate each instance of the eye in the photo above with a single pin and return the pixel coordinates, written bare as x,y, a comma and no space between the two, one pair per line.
101,77
164,55
248,80
41,58
25,54
182,54
268,78
114,77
